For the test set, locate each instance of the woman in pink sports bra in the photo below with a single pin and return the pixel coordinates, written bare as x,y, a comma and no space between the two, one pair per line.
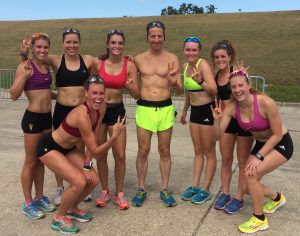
258,114
33,77
118,73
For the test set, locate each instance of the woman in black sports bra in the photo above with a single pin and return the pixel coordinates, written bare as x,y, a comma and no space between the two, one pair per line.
223,56
58,151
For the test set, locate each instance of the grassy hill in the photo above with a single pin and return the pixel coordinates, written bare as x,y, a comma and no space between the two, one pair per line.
268,42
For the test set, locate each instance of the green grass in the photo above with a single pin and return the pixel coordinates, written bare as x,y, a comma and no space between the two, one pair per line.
268,42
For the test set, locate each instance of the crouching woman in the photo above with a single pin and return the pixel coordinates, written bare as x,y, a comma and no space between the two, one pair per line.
59,152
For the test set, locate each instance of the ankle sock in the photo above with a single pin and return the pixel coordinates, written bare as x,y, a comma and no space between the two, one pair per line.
261,217
277,197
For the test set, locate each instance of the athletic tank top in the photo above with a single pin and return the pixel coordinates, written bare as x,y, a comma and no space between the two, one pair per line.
38,80
188,81
258,123
224,91
69,78
75,131
114,81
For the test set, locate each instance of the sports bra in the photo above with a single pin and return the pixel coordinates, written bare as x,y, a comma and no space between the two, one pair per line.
224,91
190,84
114,81
38,80
258,123
75,131
69,78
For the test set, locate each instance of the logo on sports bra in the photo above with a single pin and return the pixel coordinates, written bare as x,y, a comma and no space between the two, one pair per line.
46,149
84,71
46,78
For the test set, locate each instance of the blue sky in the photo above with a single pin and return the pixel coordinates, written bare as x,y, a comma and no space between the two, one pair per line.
64,9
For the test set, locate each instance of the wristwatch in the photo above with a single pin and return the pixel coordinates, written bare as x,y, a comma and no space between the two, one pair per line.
259,156
88,165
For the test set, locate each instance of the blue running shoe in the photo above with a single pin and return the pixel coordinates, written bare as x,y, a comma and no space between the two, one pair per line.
44,204
32,211
189,193
201,196
167,198
139,198
222,201
234,206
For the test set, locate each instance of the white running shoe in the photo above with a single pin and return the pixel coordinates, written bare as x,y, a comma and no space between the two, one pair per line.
59,193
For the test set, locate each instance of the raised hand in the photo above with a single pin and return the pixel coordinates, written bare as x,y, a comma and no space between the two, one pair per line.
217,110
119,127
172,74
195,75
27,69
240,66
129,81
25,44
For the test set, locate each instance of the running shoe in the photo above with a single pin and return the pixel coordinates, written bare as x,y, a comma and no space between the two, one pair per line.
32,211
64,225
189,193
121,201
88,198
271,206
79,215
44,204
139,198
201,197
253,225
234,206
167,198
59,193
222,201
103,198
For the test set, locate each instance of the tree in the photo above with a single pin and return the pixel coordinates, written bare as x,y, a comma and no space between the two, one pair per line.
186,9
198,10
211,9
169,11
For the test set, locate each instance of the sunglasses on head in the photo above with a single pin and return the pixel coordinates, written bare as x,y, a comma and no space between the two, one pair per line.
157,24
95,80
192,39
71,30
116,31
40,35
239,73
220,46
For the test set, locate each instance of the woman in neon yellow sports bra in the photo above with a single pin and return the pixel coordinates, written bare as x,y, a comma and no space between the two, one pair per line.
201,89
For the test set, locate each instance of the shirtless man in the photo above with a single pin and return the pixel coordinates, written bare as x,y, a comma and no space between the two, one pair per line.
155,112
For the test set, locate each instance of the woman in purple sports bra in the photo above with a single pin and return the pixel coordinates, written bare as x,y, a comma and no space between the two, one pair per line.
258,114
33,77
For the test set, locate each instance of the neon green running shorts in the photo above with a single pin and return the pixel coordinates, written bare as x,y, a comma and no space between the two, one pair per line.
155,118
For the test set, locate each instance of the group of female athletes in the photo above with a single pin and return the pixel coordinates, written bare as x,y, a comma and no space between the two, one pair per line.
89,119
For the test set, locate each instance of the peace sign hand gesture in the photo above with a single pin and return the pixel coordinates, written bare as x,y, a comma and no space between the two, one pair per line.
129,81
217,110
196,75
27,69
25,44
172,74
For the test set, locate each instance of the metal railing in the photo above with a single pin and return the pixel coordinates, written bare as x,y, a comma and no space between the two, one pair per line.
7,76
